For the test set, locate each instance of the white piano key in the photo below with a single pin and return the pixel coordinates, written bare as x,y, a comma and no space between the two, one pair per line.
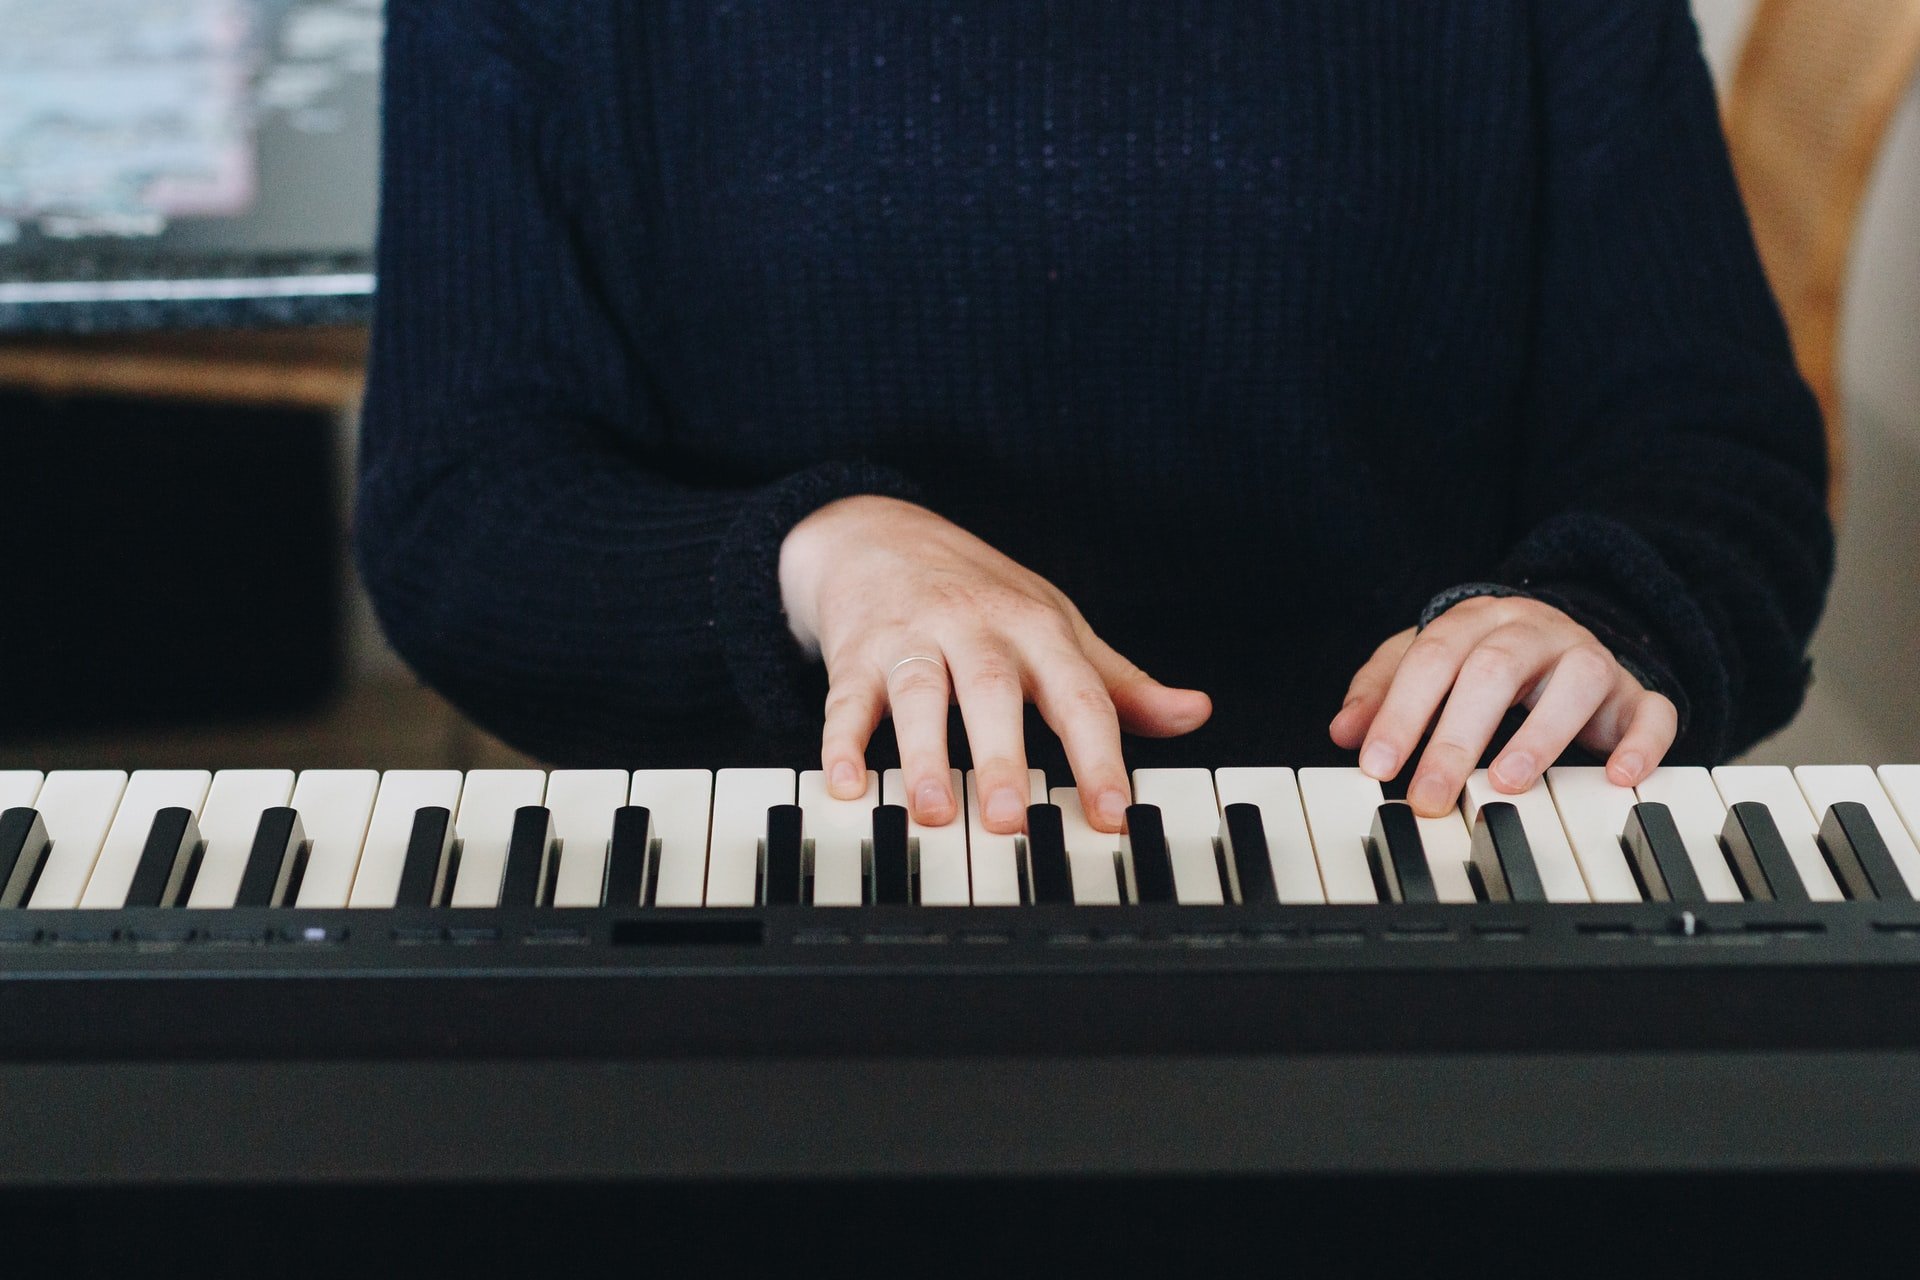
681,802
228,822
1825,785
837,828
1901,782
741,798
1699,814
1190,813
484,825
995,862
1593,813
944,878
77,806
334,806
1296,875
1089,852
1772,785
148,792
1340,806
582,802
18,787
1552,852
1449,846
403,793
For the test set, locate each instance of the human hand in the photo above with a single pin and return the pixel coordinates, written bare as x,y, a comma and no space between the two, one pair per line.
1482,657
875,584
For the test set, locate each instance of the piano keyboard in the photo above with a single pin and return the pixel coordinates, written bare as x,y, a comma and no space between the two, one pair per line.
744,838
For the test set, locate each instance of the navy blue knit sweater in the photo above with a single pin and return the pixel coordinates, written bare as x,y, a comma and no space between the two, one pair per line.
1252,325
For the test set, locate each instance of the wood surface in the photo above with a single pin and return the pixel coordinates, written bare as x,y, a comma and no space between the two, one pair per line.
317,368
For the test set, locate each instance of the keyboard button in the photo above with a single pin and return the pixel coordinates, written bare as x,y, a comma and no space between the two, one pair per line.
582,802
1901,782
1753,842
1148,856
1449,846
403,794
530,865
1090,853
275,861
1665,866
1698,814
782,847
1400,855
1243,842
148,792
23,851
994,859
1858,847
1774,787
1340,804
78,808
741,798
1190,815
484,827
891,871
945,880
1825,785
837,829
334,806
427,862
681,802
629,856
18,787
1049,874
229,821
166,861
1553,857
1504,856
1593,812
1294,871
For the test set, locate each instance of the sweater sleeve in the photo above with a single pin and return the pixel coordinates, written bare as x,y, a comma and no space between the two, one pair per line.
519,524
1673,493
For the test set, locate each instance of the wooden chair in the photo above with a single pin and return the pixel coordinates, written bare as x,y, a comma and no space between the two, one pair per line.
1816,87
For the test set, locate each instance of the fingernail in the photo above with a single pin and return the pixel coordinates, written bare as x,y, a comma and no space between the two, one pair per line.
1515,771
1112,807
843,777
1631,765
1379,761
932,797
1004,806
1428,794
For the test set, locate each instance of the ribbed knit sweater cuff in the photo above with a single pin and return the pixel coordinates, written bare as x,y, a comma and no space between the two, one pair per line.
779,685
1612,624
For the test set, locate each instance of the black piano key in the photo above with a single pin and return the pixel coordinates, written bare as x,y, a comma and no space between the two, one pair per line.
1760,856
424,868
629,857
1859,853
274,863
1653,842
1503,857
1047,866
1243,838
1400,855
782,857
1152,860
160,877
529,852
892,861
23,851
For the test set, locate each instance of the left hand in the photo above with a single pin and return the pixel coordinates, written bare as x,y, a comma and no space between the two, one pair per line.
1481,658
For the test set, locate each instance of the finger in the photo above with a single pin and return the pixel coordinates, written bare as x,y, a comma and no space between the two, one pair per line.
1367,690
855,702
1649,736
986,681
1583,679
918,693
1426,672
1492,678
1075,703
1145,706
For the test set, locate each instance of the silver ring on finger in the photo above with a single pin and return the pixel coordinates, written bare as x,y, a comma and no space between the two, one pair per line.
914,657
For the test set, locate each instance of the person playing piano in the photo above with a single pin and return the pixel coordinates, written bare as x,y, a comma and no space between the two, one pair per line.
1408,364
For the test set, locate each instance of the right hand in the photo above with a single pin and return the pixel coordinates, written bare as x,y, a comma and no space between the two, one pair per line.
870,581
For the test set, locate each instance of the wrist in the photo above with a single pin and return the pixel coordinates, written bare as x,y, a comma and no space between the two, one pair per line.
813,546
